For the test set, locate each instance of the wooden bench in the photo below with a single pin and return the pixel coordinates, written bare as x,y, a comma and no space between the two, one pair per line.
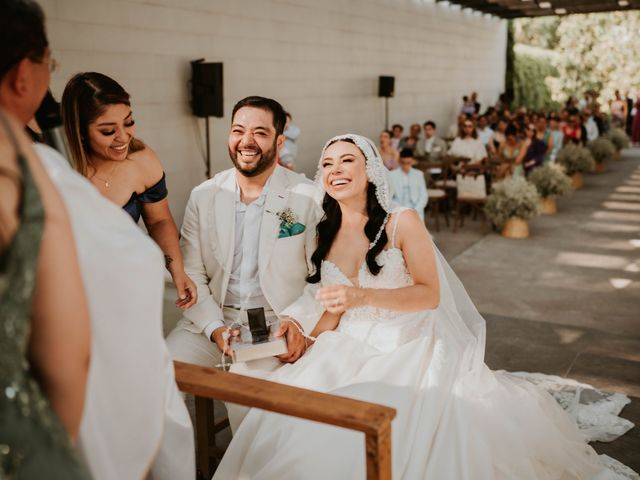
369,418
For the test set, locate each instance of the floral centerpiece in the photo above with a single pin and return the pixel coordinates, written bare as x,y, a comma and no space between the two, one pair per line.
602,150
550,182
511,204
576,160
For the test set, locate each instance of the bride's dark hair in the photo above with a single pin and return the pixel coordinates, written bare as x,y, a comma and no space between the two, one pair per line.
328,227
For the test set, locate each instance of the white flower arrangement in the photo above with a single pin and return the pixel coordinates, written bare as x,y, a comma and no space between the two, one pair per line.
512,198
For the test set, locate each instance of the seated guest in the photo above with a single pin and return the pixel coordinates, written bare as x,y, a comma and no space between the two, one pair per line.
498,135
411,140
456,127
556,135
543,133
287,156
572,130
432,146
484,131
536,149
408,185
99,125
510,154
492,117
396,137
45,339
468,145
476,104
390,155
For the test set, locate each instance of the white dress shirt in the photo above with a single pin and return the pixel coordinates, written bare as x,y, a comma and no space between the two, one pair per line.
244,290
428,144
469,147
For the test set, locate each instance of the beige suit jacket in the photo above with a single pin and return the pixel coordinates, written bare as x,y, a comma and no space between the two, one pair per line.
283,263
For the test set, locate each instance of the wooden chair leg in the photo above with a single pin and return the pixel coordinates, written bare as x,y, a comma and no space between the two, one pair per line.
208,452
436,213
205,436
456,220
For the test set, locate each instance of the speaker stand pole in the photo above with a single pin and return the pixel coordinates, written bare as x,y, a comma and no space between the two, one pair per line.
206,123
386,113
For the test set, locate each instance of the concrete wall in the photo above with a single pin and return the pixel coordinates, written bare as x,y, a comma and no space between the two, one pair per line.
321,59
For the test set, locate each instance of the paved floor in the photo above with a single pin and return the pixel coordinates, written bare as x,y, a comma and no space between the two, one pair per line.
565,301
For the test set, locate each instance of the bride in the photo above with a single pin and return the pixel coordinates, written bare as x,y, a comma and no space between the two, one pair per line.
399,329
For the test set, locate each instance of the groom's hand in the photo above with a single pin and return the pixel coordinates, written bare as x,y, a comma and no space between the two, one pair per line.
296,343
218,337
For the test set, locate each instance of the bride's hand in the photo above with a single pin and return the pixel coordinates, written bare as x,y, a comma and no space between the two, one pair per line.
339,298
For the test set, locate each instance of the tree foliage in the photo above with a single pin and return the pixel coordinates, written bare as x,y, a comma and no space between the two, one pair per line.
531,89
596,51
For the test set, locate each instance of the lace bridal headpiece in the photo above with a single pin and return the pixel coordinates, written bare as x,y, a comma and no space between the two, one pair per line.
377,173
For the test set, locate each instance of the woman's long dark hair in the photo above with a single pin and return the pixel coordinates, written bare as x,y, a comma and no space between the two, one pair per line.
330,224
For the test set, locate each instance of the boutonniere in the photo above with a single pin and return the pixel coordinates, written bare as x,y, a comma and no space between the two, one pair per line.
289,225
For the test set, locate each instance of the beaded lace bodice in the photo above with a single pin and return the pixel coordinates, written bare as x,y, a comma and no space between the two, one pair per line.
380,328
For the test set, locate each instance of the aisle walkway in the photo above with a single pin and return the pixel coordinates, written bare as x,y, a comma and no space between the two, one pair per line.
566,301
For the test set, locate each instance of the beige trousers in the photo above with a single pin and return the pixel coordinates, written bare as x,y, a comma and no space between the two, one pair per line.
195,348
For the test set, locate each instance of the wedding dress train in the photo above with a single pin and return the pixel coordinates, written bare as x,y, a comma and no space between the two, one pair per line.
456,418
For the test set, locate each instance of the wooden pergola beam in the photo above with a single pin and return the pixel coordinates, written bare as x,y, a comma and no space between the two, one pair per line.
518,8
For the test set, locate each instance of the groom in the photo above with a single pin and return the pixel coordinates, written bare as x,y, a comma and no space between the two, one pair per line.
247,239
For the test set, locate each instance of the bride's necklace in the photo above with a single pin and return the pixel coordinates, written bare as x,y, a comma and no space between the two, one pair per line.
108,179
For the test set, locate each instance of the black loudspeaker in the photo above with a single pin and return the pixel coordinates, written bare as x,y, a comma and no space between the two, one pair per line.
386,86
206,89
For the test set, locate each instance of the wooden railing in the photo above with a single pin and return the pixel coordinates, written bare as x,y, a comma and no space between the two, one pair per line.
369,418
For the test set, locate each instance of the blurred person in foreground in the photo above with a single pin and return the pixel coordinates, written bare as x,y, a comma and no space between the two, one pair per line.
134,424
44,319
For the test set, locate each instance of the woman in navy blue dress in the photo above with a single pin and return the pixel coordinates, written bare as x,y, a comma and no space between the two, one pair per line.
100,130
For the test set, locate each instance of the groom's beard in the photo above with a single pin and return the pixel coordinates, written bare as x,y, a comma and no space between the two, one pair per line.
265,160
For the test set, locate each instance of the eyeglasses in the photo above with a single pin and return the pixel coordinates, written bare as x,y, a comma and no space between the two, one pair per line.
51,62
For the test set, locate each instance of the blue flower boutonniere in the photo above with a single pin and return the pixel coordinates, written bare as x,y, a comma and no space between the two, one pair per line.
289,226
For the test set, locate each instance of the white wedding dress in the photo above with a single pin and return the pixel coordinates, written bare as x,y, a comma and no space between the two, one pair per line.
456,418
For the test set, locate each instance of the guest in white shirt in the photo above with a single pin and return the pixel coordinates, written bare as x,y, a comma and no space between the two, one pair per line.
484,131
432,146
468,145
408,184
